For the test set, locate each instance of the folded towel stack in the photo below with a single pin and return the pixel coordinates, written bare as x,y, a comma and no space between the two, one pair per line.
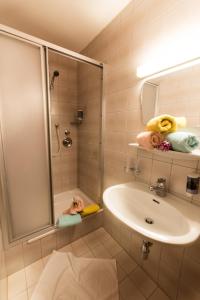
166,123
162,134
183,141
149,139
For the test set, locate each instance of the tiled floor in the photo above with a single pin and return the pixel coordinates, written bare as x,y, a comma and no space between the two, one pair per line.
134,284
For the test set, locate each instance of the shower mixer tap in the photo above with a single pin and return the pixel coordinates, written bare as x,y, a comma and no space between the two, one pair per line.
67,142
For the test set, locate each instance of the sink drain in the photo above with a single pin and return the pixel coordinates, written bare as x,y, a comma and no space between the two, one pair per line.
149,220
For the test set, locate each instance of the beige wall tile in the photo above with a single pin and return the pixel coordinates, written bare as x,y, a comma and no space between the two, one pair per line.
178,179
168,280
31,252
14,259
160,169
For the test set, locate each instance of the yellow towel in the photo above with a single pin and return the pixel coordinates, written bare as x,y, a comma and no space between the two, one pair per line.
166,123
90,209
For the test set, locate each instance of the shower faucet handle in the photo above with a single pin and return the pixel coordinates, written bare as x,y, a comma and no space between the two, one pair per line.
67,132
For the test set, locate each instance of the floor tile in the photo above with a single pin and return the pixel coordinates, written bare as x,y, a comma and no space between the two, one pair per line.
21,296
16,283
102,235
67,248
112,246
121,274
30,291
46,259
129,291
79,247
88,254
33,272
101,252
126,262
159,295
91,240
143,282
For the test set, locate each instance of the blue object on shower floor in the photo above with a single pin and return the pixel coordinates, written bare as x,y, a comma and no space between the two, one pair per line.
68,220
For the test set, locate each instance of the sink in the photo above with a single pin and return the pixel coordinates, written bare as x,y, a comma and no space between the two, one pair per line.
168,220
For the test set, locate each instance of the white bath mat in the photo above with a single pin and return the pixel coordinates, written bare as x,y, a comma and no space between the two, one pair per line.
67,277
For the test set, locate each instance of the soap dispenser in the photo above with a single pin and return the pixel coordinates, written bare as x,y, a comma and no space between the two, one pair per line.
192,186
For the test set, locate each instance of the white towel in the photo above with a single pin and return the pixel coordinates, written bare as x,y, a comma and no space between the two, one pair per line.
67,277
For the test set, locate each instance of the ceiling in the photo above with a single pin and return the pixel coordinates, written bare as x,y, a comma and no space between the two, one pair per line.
72,24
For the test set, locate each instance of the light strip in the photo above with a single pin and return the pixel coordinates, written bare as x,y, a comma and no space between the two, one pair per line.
144,71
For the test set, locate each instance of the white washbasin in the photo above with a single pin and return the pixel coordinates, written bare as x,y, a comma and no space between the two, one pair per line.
175,221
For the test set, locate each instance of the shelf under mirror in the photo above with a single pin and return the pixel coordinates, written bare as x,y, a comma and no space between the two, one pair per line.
194,155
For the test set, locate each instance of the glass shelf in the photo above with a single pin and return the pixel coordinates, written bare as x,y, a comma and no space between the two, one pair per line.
194,155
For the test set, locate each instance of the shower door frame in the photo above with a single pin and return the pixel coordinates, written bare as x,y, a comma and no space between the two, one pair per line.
45,46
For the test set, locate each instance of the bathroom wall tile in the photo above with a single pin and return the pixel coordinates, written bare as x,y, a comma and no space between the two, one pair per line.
168,280
151,265
186,292
144,153
32,252
143,282
160,169
186,163
115,121
162,158
191,274
193,252
63,238
14,259
145,166
115,141
63,105
178,179
172,256
48,244
135,247
125,237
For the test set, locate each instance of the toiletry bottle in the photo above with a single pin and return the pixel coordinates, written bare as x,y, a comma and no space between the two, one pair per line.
192,186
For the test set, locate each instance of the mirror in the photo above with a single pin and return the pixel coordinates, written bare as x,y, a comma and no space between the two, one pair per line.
176,93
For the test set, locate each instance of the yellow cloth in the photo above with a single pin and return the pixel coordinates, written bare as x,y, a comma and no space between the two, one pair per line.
90,209
166,123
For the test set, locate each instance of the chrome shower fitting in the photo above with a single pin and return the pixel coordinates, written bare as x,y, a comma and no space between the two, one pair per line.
55,74
67,142
145,249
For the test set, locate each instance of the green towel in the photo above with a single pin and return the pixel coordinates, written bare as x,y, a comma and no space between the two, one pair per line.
183,141
68,220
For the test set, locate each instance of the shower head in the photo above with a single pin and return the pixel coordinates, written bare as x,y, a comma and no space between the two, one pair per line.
55,74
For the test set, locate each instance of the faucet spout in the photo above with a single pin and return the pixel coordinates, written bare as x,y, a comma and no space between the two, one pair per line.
160,187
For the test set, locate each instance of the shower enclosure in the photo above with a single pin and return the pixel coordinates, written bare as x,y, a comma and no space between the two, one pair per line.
51,133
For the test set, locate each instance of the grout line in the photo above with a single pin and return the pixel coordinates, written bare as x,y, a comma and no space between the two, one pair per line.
180,273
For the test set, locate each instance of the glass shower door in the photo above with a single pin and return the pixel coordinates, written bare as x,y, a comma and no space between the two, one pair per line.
25,157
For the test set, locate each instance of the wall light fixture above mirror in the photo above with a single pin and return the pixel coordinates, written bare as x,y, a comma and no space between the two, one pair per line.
175,91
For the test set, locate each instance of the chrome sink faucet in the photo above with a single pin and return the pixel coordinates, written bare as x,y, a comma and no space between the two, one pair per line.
160,188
